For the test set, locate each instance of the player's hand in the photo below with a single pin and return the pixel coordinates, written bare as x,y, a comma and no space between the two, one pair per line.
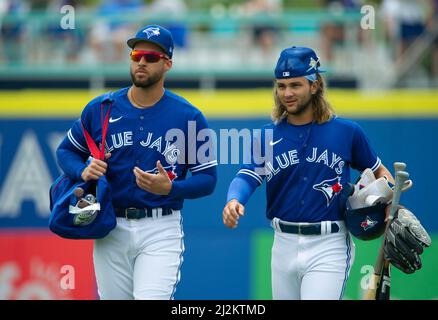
233,210
159,183
388,211
96,169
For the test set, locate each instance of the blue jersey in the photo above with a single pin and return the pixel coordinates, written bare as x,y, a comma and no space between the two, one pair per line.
166,131
309,165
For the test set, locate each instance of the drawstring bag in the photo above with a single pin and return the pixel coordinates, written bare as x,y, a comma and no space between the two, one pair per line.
79,209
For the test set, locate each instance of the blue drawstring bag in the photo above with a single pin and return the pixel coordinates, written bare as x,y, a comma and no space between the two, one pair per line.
79,209
90,216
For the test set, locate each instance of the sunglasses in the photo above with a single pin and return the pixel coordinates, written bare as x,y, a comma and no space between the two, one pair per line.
149,56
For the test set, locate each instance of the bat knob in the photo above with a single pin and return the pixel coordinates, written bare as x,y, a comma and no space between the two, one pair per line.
399,166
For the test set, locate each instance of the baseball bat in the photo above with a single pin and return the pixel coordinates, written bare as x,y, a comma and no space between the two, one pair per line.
379,284
384,289
384,282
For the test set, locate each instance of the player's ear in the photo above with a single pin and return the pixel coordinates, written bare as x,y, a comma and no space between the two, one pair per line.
314,85
168,65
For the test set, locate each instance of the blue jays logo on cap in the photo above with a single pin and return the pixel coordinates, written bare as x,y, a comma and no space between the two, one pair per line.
368,223
154,34
150,32
297,62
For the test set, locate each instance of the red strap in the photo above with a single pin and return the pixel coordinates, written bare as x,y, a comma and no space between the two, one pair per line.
94,150
104,130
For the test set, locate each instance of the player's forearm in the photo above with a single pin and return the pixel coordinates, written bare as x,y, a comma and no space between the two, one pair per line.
383,171
196,186
71,163
241,190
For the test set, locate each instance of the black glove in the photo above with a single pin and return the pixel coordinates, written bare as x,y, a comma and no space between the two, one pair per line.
405,240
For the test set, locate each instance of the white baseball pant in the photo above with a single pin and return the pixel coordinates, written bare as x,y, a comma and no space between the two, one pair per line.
140,259
311,267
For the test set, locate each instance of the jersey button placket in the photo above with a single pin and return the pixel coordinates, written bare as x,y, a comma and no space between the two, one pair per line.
138,150
141,129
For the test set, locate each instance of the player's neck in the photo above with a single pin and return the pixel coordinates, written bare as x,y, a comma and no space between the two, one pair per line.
145,97
301,119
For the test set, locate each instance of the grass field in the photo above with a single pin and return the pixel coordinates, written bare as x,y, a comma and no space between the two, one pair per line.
422,285
229,103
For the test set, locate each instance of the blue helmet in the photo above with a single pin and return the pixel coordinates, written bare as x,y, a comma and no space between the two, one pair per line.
365,223
297,62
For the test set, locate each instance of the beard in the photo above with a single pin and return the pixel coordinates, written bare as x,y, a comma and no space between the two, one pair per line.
146,82
301,108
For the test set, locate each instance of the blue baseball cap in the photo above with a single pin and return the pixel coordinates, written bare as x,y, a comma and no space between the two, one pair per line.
154,34
295,62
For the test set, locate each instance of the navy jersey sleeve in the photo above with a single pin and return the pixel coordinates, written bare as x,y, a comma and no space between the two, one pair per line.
202,162
75,139
252,173
363,154
253,169
201,146
73,150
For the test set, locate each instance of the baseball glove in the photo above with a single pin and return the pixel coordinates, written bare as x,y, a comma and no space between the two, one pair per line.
405,241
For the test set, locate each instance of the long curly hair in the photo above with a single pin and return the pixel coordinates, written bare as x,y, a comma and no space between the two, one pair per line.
322,110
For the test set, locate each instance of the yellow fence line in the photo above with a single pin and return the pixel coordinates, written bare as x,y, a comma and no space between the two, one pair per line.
229,103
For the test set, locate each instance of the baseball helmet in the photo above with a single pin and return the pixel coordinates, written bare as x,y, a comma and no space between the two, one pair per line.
363,205
366,223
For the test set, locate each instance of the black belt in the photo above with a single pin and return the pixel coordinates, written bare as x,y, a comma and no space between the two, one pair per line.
306,229
136,213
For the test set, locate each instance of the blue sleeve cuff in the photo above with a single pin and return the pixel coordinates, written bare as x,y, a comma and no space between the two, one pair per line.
79,172
241,190
198,185
176,190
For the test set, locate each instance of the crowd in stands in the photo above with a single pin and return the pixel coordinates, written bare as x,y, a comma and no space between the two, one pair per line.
103,38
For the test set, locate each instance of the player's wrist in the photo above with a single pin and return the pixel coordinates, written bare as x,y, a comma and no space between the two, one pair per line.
174,190
234,200
81,173
168,188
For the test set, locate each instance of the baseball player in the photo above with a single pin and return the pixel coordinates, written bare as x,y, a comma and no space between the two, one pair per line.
151,146
312,153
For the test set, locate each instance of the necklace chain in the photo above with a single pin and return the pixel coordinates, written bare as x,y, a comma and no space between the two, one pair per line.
135,101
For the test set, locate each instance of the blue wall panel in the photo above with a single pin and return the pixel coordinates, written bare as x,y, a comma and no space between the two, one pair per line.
217,260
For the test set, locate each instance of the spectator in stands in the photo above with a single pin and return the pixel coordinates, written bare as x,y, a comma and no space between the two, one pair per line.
172,9
432,26
68,42
3,11
108,35
12,32
264,34
405,21
333,33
